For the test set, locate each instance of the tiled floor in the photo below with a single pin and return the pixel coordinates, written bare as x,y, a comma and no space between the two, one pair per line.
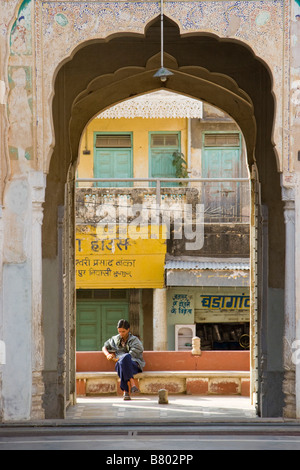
143,408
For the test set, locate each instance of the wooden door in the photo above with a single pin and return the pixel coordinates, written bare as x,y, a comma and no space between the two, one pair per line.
96,322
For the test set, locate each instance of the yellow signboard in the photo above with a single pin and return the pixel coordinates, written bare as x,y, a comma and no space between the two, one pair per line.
105,260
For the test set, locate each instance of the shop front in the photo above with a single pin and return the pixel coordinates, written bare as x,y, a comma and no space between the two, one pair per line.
116,277
213,304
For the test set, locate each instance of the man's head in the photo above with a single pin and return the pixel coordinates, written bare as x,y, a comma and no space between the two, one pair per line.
123,328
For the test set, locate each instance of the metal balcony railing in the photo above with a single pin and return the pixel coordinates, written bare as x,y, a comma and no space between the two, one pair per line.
225,200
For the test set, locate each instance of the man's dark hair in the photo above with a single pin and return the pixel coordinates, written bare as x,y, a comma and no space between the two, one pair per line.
123,324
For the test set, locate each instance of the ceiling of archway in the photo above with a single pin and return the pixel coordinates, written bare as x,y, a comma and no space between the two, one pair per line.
194,82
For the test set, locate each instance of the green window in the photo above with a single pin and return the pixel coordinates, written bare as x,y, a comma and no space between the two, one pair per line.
113,158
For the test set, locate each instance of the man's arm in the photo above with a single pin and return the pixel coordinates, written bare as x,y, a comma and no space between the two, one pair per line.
109,356
136,347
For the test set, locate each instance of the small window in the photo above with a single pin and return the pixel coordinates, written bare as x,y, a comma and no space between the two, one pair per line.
84,293
113,141
101,294
222,140
118,294
164,140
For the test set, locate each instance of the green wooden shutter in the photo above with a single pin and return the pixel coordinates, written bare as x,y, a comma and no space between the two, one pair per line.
113,158
110,163
162,146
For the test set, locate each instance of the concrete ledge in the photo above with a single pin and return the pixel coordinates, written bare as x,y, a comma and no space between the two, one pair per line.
89,361
176,382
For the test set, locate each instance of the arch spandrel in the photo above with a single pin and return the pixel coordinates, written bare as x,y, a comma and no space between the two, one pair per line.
259,26
218,91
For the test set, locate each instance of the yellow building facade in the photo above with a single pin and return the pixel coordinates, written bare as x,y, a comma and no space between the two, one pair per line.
140,129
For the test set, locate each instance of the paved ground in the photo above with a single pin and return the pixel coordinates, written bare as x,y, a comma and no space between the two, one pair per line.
146,431
181,408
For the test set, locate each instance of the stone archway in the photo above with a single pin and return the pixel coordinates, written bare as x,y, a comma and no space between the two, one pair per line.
227,75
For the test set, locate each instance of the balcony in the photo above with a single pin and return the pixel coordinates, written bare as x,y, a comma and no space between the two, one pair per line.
221,206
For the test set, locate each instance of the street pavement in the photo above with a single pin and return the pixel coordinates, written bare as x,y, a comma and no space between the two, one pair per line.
144,430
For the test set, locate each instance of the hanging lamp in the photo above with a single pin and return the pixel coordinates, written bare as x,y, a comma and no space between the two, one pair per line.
162,73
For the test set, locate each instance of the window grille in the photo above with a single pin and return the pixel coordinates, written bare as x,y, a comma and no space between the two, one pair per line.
113,141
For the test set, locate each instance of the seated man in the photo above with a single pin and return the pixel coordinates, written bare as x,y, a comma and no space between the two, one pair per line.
126,350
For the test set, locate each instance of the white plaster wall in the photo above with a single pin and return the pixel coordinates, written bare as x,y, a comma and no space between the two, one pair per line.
17,301
16,376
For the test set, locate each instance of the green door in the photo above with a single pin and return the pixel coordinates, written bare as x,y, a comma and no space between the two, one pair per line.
96,322
88,326
110,315
111,160
162,147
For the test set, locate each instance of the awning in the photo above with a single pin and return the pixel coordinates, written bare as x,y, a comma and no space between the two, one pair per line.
158,104
223,273
192,265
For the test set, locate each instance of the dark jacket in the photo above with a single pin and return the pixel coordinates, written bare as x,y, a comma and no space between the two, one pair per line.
133,346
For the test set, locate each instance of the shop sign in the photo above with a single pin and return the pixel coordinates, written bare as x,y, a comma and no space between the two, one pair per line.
103,261
228,302
225,307
181,308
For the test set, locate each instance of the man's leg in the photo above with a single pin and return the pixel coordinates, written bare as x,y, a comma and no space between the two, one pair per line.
126,369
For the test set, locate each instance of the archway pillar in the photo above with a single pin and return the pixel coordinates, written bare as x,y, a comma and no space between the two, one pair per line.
288,196
296,348
38,184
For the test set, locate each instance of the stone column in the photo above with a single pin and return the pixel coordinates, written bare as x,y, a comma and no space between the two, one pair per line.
289,304
160,336
37,183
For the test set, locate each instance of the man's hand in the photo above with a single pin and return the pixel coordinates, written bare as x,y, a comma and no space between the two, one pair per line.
111,357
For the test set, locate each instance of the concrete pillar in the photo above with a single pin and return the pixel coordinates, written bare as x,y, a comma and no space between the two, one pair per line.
160,336
289,304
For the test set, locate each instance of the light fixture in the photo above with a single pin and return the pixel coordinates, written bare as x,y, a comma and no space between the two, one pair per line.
162,73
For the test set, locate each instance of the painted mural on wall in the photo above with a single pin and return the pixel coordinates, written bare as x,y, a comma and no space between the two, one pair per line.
20,37
20,97
75,22
20,113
